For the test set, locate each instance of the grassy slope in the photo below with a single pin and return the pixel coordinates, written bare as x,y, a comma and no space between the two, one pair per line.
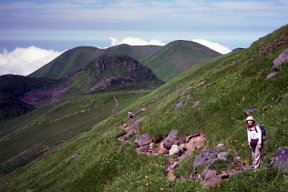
67,62
176,57
233,83
61,121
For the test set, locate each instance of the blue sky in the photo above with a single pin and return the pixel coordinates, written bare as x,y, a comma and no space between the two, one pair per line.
62,24
150,19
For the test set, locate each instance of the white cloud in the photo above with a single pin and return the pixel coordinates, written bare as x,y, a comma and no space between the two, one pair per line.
23,61
212,45
134,41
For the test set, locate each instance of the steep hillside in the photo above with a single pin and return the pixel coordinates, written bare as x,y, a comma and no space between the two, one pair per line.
29,136
207,101
78,58
177,57
13,88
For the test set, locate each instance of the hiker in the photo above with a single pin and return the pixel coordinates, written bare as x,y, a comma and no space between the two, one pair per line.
254,134
130,115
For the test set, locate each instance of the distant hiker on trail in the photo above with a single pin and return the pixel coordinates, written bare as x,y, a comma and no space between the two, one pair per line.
255,141
130,115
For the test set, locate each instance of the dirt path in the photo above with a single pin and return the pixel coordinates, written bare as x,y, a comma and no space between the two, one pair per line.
116,105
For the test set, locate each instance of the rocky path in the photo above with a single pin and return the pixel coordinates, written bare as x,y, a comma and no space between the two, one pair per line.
178,149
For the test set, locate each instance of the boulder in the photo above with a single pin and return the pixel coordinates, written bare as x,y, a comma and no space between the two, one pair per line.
196,104
207,156
224,175
222,156
270,75
281,158
174,165
175,149
250,110
178,105
143,139
170,140
144,149
161,149
212,182
282,58
209,174
68,160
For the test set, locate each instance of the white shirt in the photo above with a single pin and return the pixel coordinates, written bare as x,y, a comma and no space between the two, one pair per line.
254,135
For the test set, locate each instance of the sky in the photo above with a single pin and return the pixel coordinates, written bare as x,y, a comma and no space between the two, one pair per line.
33,32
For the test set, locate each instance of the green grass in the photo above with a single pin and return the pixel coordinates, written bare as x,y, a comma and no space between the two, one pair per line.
52,125
233,83
176,57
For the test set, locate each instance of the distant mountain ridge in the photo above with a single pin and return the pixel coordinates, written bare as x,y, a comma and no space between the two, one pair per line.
165,61
79,57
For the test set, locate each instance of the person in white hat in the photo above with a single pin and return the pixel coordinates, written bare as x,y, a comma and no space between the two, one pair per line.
130,115
254,141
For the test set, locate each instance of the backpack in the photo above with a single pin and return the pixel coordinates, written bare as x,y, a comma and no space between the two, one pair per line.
262,131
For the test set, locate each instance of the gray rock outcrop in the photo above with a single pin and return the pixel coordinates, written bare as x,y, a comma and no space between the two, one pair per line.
281,158
170,140
282,58
143,139
207,156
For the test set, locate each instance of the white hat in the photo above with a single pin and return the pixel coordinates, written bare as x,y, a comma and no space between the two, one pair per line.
249,118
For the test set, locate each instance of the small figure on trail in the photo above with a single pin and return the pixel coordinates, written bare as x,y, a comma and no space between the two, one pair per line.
130,115
255,141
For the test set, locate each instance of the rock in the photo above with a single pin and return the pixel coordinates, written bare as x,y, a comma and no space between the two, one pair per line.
270,75
68,160
144,149
207,156
196,104
143,139
220,145
237,159
29,190
174,165
123,126
224,175
250,110
222,156
170,140
209,174
282,58
212,182
178,105
161,149
281,158
175,149
142,109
